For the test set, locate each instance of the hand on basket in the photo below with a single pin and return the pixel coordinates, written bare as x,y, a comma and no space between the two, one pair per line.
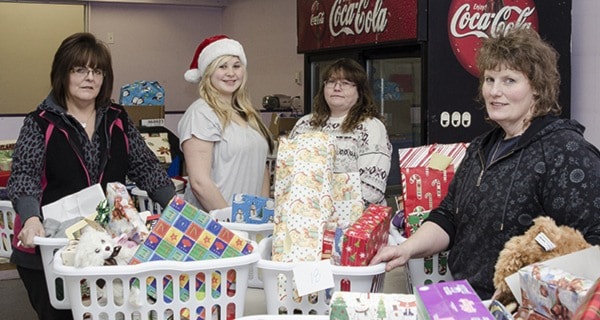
395,256
32,228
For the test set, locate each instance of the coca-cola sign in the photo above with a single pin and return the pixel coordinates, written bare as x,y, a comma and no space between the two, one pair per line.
324,24
469,21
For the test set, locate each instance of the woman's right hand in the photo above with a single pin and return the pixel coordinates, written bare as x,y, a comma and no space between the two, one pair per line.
32,228
395,256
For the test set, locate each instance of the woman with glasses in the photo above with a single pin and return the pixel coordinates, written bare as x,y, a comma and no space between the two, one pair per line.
344,108
75,138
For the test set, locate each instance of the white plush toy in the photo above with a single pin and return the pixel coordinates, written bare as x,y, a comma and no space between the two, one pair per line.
98,248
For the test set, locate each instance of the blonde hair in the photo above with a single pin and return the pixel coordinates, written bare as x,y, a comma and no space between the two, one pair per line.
240,101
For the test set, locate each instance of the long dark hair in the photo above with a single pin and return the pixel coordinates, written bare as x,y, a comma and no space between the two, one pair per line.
80,50
364,108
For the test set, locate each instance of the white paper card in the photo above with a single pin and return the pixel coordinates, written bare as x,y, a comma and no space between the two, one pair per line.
313,276
79,204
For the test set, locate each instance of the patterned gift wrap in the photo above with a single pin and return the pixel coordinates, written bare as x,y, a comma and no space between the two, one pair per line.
364,238
185,233
367,306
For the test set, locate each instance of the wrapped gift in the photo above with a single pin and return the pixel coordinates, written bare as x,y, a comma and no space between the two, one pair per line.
303,201
158,142
552,292
358,306
142,93
426,173
247,208
450,300
590,308
124,218
364,238
185,233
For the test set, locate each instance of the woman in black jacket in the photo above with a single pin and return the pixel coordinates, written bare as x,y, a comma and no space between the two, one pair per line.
533,164
75,138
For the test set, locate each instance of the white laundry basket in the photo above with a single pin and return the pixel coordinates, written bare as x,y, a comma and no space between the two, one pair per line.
56,288
7,224
255,232
174,287
281,299
423,271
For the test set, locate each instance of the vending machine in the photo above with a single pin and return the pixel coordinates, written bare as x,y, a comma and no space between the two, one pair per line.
420,57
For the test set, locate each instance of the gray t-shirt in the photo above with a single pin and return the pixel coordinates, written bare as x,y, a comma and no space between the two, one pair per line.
239,152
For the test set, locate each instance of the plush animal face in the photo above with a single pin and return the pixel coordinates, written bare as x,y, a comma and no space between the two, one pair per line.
521,251
95,248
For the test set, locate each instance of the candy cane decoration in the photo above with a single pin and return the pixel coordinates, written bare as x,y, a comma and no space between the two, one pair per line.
429,197
415,178
438,186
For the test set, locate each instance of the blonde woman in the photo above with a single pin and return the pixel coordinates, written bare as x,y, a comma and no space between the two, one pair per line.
224,142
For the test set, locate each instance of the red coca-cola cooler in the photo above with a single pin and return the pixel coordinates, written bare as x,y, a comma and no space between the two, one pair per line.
420,57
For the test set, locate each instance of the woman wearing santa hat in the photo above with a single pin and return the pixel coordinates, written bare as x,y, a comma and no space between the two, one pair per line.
222,136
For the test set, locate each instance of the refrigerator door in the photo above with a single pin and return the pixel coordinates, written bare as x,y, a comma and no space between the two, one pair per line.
396,85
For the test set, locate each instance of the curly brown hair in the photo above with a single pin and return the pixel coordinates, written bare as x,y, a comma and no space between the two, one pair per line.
364,108
524,50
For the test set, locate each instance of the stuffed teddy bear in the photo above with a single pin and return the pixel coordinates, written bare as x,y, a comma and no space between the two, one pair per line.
523,250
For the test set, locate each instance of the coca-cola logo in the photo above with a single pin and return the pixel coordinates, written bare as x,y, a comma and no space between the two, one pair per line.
317,19
469,21
357,17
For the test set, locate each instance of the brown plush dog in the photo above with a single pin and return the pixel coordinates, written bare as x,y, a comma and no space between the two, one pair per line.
523,250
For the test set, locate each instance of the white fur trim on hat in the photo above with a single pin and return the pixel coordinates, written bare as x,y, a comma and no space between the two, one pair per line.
211,51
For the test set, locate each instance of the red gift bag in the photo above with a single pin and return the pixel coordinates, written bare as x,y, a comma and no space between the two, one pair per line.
425,183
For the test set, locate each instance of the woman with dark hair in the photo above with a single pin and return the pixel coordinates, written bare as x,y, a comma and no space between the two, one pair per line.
344,108
75,138
532,164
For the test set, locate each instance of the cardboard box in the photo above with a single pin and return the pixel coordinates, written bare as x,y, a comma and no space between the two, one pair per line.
137,113
450,300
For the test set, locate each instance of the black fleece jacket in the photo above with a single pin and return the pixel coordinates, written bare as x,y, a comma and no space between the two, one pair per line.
552,171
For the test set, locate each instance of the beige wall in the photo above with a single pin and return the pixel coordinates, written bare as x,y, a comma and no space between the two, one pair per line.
155,42
267,29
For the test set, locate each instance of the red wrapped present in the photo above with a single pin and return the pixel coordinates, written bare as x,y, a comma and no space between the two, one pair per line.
590,308
426,172
363,239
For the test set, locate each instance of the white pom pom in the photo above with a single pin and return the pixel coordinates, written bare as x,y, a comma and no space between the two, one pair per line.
192,75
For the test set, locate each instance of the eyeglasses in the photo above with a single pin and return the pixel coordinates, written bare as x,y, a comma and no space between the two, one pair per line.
84,72
344,84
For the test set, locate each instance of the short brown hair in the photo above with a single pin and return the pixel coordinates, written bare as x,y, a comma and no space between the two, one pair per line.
524,50
81,50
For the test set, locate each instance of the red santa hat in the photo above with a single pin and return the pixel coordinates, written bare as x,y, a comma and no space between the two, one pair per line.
210,49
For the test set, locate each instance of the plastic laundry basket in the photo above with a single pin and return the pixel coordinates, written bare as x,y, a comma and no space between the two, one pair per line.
255,232
422,271
7,224
280,294
56,289
209,289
